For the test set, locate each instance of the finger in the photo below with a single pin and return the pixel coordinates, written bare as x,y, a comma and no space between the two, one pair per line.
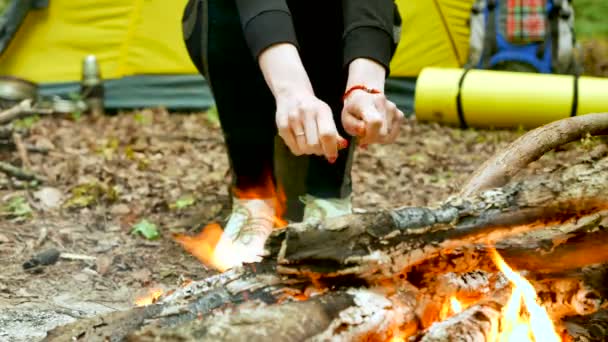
352,125
396,127
297,129
392,116
373,123
285,133
310,128
382,107
328,133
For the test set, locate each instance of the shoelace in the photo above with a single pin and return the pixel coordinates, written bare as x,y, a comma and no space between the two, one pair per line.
251,225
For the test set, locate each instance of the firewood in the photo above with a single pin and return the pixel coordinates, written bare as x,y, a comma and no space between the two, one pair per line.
592,328
477,323
381,244
497,170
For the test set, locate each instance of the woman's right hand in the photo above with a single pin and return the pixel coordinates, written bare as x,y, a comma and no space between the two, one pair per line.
307,126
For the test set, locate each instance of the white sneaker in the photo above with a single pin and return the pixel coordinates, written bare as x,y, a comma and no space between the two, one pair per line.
246,232
316,210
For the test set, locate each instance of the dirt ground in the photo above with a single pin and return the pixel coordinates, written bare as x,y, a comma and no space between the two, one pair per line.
107,175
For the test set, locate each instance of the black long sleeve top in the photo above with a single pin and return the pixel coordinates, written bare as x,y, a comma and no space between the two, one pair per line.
368,27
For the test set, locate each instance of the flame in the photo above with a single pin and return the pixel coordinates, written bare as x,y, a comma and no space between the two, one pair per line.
150,298
203,245
267,190
455,304
535,325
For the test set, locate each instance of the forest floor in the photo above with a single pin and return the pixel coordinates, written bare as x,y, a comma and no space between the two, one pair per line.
168,173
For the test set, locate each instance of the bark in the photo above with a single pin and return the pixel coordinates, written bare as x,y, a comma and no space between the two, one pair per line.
499,169
381,244
592,328
249,307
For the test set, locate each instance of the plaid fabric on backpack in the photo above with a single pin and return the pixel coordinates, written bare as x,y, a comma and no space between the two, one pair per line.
526,21
523,35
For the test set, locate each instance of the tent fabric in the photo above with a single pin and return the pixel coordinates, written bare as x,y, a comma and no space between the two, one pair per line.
435,33
128,37
139,42
189,92
13,18
177,92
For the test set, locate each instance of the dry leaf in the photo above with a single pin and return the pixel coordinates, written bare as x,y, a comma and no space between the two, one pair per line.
103,264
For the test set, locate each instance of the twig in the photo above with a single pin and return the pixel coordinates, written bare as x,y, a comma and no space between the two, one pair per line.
6,131
19,173
70,256
28,147
25,160
16,111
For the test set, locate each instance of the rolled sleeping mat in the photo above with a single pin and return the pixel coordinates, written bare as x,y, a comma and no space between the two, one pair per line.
504,99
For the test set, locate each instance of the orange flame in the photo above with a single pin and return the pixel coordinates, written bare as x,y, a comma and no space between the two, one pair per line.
267,190
203,245
535,324
150,298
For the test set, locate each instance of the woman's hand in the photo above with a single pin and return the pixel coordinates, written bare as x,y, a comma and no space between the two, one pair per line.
307,126
304,122
370,116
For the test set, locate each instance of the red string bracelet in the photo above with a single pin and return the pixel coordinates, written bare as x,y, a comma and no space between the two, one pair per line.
359,87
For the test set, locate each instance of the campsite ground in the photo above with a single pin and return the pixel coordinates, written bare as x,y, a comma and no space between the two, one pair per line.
109,174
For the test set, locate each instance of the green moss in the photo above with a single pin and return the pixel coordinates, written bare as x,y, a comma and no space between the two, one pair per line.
590,20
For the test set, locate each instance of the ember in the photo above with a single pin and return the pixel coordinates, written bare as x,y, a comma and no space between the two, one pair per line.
150,298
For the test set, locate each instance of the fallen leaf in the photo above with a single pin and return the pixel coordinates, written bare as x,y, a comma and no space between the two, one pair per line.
50,198
183,202
18,207
81,277
147,229
142,275
120,209
4,239
103,264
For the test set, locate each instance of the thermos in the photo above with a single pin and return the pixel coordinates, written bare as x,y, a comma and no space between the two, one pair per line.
91,89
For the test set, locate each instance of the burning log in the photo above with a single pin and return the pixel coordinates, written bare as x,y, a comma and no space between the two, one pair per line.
426,273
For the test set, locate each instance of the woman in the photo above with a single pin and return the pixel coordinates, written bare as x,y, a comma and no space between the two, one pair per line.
312,72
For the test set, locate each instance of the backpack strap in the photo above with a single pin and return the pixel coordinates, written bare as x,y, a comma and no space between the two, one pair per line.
490,45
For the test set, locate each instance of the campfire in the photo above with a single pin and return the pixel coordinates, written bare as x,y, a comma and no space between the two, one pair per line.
522,318
503,260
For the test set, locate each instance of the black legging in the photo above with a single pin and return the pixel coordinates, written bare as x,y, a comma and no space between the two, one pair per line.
246,107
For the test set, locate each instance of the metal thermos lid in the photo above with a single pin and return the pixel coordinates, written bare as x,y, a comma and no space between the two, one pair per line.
91,75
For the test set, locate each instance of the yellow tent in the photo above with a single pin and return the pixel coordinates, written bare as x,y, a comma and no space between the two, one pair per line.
435,33
139,46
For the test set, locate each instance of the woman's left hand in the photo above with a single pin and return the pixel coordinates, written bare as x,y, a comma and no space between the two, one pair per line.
371,117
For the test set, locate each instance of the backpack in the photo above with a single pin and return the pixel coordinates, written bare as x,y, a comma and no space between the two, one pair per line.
523,35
